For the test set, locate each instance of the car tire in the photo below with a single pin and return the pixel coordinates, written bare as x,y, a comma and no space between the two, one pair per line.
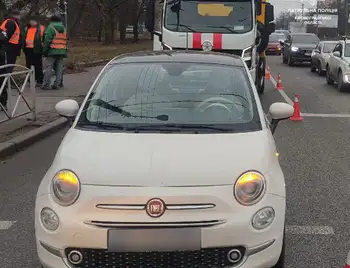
340,83
329,80
281,259
319,69
312,68
290,61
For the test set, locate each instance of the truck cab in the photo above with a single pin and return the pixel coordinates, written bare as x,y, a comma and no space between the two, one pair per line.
227,26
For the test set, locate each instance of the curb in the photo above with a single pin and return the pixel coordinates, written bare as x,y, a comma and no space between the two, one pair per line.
9,148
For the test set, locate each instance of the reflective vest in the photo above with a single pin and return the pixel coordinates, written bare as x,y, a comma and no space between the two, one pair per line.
59,41
15,37
31,32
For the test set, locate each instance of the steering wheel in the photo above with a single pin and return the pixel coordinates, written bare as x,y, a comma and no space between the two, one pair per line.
222,103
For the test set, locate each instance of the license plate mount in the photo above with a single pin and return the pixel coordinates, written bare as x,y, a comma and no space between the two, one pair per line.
146,240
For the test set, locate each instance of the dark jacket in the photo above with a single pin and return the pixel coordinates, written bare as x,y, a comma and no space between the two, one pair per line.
49,36
3,44
10,29
38,48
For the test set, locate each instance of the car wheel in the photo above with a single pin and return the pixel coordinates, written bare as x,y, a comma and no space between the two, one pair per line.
290,61
312,68
329,80
342,87
319,69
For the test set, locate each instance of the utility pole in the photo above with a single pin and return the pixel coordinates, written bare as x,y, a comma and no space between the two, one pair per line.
302,13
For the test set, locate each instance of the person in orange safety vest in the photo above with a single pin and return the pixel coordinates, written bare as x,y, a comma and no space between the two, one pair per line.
10,29
33,49
55,49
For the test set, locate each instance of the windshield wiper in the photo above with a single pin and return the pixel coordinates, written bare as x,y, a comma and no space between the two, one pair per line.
222,27
106,105
183,126
100,125
182,25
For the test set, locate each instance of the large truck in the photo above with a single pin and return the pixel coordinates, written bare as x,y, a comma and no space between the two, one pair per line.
240,27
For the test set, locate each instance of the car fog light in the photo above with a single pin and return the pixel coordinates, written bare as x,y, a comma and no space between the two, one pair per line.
49,219
263,218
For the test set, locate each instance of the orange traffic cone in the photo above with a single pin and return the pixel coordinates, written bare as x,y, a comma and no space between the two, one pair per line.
347,264
279,85
296,115
268,74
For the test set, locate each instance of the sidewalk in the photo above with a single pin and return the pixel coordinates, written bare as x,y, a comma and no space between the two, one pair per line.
76,87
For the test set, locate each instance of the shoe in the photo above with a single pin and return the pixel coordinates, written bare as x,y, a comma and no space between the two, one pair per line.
55,87
38,85
45,88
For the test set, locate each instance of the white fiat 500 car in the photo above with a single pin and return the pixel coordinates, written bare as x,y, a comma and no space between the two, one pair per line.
170,162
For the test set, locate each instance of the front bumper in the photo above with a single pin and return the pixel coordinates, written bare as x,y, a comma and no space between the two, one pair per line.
300,57
261,248
273,51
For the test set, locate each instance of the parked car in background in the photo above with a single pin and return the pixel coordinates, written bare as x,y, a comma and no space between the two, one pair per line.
338,66
274,46
320,56
298,47
284,32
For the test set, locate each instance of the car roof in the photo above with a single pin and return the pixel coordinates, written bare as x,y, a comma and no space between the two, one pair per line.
329,42
179,56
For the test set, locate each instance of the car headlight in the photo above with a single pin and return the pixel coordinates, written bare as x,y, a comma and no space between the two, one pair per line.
65,187
250,188
294,49
49,219
263,218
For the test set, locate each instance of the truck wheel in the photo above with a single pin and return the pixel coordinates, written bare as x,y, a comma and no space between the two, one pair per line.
329,80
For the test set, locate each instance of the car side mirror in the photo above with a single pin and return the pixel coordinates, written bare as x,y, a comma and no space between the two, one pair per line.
279,111
160,37
67,108
336,53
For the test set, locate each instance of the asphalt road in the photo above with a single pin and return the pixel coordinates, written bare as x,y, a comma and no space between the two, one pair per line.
314,156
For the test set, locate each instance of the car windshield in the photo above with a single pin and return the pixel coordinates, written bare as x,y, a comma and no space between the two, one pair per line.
305,39
276,37
160,95
328,47
209,16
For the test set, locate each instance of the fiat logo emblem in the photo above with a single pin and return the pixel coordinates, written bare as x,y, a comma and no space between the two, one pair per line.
155,207
207,46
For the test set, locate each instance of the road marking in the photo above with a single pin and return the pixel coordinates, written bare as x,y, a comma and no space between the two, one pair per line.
309,230
326,115
283,94
4,225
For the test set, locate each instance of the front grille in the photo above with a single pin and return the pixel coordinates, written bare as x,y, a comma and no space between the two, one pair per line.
305,51
204,258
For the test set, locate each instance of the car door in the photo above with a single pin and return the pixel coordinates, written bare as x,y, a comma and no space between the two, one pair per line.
336,60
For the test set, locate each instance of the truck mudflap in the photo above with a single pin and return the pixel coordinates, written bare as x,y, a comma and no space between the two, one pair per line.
260,75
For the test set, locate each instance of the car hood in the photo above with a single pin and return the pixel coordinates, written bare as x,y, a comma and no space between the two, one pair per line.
142,159
304,46
274,44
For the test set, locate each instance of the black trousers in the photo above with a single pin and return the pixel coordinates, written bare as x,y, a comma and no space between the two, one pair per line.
37,61
10,59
